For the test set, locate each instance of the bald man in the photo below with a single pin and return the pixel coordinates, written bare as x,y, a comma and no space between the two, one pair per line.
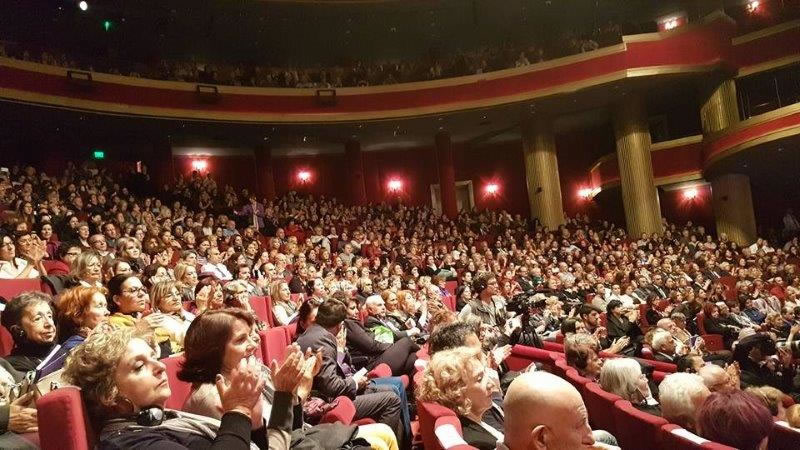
544,412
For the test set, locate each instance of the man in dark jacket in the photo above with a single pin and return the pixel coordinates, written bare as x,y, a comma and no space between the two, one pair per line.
336,377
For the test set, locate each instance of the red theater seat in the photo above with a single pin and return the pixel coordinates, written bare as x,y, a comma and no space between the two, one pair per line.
636,429
63,421
6,342
577,380
270,316
449,301
660,365
437,422
784,437
674,437
561,368
451,286
553,346
260,309
601,407
344,412
522,356
180,389
11,288
274,342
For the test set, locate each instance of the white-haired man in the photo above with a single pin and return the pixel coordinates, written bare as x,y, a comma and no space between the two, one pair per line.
680,395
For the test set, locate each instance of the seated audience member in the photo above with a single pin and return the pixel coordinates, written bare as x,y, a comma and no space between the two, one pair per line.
166,299
80,311
737,419
759,366
125,389
186,276
413,309
664,347
23,263
793,416
130,249
689,364
624,377
284,309
378,322
457,379
545,412
487,305
306,316
66,254
622,322
718,379
208,295
772,399
681,394
367,352
17,415
87,270
218,342
714,324
129,304
113,267
237,296
29,319
580,351
215,266
336,377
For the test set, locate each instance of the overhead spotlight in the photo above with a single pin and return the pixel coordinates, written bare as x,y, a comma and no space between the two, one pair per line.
671,24
83,5
690,194
753,6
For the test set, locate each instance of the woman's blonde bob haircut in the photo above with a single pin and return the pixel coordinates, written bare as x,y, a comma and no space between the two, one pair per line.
446,378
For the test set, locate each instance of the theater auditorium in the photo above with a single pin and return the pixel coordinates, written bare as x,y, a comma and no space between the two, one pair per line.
400,224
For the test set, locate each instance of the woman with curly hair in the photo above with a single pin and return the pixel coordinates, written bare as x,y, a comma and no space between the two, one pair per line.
458,379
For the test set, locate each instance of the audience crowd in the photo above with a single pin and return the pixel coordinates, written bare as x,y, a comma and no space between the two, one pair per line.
359,73
135,274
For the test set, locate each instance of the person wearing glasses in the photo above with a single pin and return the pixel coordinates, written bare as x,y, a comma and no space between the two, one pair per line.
174,321
29,262
238,296
130,304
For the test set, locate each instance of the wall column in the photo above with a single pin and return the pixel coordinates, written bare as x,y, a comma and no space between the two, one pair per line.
355,163
161,165
720,109
265,175
733,207
541,172
639,194
447,174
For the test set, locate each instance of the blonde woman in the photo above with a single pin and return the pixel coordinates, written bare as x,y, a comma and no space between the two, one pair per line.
88,269
283,308
459,379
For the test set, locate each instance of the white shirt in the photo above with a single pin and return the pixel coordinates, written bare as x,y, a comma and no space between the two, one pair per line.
11,271
219,271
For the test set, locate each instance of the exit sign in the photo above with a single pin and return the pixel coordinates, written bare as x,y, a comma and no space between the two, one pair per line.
98,154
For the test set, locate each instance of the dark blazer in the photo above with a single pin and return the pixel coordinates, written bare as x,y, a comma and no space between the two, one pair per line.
658,356
361,343
373,321
331,380
476,436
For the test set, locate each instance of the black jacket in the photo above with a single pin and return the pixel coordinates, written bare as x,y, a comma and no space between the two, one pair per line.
362,344
331,380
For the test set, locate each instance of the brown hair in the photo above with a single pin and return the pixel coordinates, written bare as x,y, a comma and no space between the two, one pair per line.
205,342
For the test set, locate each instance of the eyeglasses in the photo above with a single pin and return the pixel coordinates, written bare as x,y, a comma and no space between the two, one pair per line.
135,290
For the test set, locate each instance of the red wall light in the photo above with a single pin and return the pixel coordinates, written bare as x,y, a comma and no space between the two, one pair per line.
690,194
304,176
753,6
492,189
395,185
199,165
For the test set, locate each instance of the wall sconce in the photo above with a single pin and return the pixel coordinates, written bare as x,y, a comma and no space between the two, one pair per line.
492,189
304,176
200,165
690,194
395,185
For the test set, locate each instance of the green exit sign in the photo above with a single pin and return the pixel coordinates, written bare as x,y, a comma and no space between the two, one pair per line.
98,154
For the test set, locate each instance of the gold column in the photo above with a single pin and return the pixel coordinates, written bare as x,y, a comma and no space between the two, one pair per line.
541,172
639,194
720,109
733,207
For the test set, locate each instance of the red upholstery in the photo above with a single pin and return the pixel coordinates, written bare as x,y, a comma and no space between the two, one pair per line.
11,288
643,315
273,344
451,286
449,301
344,412
699,319
647,352
636,429
660,365
63,423
561,368
291,329
6,342
298,298
383,370
270,316
658,376
672,441
601,407
260,308
783,437
429,413
560,338
603,320
522,356
577,380
180,389
714,342
553,346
